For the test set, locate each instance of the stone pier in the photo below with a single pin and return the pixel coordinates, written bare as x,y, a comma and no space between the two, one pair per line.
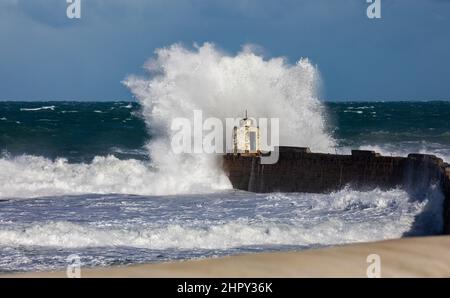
299,170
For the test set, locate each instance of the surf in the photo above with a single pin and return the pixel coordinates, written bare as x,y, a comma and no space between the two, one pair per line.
180,80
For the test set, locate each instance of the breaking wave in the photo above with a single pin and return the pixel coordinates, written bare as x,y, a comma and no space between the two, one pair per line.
38,109
29,176
221,86
239,220
181,80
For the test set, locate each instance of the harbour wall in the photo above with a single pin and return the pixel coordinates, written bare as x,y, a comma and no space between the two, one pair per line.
299,170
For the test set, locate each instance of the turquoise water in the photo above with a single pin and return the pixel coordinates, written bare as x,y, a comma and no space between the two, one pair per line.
76,178
77,131
81,131
425,124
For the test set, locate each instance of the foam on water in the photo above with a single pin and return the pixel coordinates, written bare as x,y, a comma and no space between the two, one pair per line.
181,80
222,86
38,109
213,224
28,176
181,206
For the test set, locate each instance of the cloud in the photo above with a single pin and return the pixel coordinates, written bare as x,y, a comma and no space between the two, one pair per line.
114,37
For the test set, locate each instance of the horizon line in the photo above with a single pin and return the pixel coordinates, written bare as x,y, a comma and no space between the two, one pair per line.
134,100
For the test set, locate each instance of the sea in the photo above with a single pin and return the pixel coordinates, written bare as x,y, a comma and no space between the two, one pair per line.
94,180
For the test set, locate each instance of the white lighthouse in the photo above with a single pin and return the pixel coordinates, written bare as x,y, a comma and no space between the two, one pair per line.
246,137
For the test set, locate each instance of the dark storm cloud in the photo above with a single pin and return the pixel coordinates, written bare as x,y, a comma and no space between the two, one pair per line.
404,55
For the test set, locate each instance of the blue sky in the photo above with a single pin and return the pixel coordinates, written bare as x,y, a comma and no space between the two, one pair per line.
405,55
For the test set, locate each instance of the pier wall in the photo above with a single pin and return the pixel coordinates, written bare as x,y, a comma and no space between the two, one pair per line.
299,170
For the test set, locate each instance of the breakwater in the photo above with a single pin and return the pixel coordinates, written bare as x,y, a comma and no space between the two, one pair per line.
299,170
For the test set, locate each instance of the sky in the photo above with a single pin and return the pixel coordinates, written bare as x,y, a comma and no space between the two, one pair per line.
404,55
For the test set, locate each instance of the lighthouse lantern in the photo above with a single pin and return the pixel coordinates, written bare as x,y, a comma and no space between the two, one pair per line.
246,137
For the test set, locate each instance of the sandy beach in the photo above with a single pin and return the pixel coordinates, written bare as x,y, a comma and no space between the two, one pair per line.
408,257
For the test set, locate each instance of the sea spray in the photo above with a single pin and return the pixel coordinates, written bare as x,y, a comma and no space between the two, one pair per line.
223,86
181,80
213,221
34,176
66,156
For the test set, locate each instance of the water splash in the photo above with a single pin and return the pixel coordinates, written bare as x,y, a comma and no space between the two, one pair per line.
221,86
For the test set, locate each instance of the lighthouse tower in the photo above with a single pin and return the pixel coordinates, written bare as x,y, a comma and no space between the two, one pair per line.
246,137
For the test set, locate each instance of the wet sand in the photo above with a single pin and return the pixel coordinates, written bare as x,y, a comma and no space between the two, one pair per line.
408,257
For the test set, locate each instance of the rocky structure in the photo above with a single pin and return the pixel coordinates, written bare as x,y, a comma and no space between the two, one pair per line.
299,170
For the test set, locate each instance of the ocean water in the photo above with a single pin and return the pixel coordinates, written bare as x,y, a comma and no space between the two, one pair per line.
100,179
81,178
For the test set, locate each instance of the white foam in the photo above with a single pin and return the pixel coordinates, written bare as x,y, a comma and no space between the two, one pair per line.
234,234
33,176
221,86
343,217
182,80
39,109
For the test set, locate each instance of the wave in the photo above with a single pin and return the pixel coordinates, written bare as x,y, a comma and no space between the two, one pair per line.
38,109
29,176
181,81
234,234
224,86
221,86
316,219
